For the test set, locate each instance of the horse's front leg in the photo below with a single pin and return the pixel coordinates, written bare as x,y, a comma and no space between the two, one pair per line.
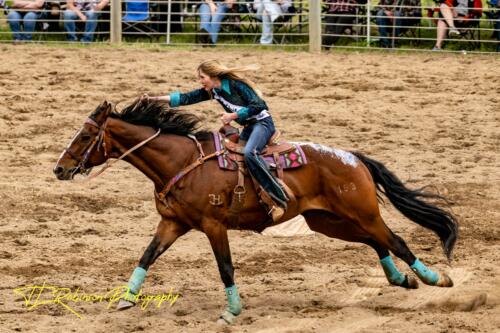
166,234
217,234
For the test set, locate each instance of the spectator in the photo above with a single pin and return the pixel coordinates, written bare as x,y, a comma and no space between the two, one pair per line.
495,16
212,12
396,17
52,15
341,16
447,13
25,13
85,10
268,11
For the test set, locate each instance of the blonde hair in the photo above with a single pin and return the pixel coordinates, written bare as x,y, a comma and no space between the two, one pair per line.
214,68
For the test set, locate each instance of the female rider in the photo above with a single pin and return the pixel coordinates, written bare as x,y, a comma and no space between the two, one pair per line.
243,103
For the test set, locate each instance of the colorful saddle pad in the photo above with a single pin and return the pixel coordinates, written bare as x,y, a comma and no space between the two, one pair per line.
290,159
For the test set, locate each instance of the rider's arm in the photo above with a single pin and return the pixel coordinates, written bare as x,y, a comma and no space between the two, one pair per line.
178,99
192,97
165,98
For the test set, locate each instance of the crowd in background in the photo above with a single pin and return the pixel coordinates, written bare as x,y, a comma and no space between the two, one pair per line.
393,18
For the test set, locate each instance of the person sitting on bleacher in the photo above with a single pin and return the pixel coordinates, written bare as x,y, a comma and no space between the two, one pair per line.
447,15
85,10
25,13
268,11
340,17
395,17
212,12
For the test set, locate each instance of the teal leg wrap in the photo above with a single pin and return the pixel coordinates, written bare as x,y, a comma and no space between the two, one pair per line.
425,274
136,280
233,299
391,271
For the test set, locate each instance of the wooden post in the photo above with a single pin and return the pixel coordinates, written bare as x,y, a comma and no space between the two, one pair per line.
314,25
169,20
116,21
368,23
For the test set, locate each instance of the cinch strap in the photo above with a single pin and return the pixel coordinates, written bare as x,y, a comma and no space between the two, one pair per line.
185,171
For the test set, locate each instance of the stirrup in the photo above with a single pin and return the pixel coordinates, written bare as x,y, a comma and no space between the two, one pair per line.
276,213
276,206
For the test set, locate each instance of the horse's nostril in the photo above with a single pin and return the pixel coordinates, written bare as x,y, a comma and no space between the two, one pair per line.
58,170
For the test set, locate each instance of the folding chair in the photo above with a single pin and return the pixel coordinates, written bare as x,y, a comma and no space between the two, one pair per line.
357,29
249,23
137,19
468,25
284,24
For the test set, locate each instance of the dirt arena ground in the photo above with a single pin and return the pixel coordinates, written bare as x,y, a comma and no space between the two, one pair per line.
433,119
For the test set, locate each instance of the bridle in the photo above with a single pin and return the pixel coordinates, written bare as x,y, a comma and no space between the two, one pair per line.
97,141
100,141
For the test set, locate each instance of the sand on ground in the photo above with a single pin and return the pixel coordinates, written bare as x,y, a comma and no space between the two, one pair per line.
432,119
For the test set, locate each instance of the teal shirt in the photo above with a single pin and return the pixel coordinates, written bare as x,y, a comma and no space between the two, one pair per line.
234,96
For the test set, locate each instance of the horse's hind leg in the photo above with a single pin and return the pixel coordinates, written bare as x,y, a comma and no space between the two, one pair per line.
326,223
166,234
393,275
386,238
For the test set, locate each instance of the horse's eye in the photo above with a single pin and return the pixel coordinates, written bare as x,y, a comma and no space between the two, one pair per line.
86,137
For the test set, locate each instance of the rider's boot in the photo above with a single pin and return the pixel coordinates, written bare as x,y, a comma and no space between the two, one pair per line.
275,207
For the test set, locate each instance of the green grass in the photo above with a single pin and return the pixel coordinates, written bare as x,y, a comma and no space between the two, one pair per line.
230,38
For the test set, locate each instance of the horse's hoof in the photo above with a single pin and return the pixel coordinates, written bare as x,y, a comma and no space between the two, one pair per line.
124,304
410,282
226,318
444,281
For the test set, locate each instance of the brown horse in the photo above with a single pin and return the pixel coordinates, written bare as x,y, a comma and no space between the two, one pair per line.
336,192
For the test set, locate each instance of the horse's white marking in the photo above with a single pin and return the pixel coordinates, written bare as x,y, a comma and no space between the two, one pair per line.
344,156
69,144
347,187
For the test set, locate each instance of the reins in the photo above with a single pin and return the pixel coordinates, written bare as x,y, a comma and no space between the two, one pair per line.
100,140
199,161
131,150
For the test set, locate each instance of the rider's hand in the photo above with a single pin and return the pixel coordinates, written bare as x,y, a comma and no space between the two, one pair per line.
226,118
145,97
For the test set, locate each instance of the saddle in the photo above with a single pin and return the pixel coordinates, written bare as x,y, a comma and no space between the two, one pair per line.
279,156
229,153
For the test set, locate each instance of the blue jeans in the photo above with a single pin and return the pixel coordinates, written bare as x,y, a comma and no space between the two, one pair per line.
211,23
401,24
257,135
90,25
28,20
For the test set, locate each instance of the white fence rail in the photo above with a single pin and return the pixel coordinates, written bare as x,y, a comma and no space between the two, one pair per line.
305,24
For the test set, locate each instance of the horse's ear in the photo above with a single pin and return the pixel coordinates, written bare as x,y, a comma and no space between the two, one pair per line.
107,106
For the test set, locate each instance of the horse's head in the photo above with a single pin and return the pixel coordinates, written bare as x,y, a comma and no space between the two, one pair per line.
87,148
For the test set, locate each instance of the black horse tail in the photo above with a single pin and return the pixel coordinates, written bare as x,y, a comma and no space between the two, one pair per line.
410,203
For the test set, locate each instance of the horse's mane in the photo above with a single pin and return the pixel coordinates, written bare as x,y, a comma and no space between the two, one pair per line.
158,115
